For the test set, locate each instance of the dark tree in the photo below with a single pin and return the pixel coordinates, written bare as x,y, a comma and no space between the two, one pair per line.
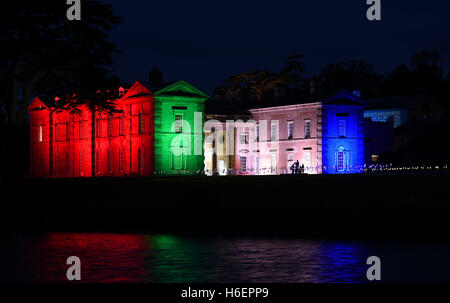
295,71
353,75
42,53
253,84
426,70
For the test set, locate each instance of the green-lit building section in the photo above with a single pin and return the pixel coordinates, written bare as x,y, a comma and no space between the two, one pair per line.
179,118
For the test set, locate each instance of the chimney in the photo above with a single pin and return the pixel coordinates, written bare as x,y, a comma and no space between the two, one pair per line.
155,79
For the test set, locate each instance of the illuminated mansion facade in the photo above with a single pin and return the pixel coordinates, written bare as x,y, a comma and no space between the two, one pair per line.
137,140
325,137
167,133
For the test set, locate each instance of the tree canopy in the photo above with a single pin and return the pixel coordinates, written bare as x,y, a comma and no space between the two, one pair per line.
42,53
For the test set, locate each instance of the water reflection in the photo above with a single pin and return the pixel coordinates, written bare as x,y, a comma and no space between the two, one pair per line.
164,258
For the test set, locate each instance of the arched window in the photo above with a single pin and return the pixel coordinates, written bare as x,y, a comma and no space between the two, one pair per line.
340,159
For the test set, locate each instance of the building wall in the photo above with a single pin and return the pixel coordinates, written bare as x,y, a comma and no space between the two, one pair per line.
343,154
179,152
76,145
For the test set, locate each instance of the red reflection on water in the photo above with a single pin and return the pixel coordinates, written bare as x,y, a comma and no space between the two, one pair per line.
104,258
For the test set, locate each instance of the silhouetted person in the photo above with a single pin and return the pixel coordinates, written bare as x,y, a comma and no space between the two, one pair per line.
293,168
297,166
302,169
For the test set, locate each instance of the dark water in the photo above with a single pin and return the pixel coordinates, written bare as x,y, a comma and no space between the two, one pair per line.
166,258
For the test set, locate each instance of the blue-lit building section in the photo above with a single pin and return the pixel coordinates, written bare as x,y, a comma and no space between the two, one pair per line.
343,134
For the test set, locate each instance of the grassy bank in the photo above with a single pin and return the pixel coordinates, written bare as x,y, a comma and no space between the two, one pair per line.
320,206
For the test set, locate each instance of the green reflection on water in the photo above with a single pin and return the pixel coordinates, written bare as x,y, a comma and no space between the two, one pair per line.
174,260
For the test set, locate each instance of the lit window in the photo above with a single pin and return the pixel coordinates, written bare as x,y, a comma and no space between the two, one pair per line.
340,160
342,127
243,164
273,162
307,128
290,126
178,123
40,134
273,131
291,157
307,157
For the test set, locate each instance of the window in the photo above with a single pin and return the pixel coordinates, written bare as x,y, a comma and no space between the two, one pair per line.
290,161
273,131
67,133
61,132
257,132
99,162
99,128
110,127
81,134
307,157
81,163
120,126
178,123
121,160
109,160
307,128
340,159
141,123
177,161
40,134
342,127
273,162
243,138
67,164
290,126
141,158
243,164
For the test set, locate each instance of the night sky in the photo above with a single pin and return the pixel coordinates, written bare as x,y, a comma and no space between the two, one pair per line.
204,42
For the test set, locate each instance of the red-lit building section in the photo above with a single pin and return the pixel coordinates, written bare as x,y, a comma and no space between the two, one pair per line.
68,144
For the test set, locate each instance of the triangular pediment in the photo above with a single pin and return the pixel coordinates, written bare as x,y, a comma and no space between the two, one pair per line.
37,104
181,89
136,90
